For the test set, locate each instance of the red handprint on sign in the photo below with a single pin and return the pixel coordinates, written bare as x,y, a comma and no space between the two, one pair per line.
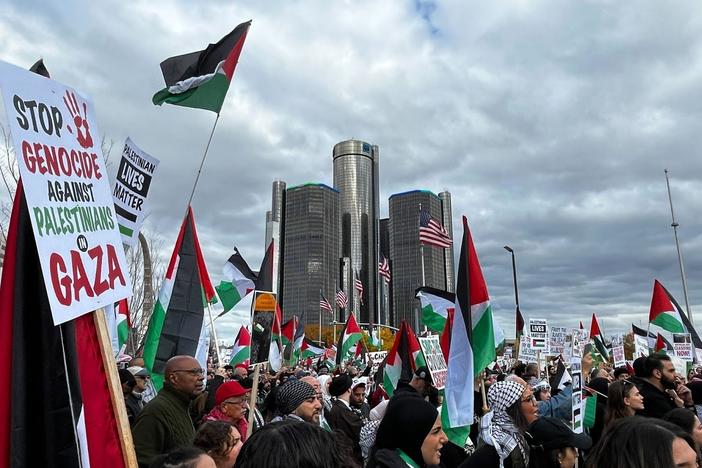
81,122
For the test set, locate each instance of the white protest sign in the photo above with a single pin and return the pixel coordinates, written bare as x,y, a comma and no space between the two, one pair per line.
538,332
134,175
577,383
682,344
618,350
434,358
580,339
640,346
57,146
557,340
377,357
526,352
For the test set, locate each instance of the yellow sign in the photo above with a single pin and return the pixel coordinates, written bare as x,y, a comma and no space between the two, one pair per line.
265,302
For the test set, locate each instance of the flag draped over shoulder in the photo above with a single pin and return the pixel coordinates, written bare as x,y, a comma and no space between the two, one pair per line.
403,359
42,423
241,352
435,306
238,281
201,79
177,320
348,339
663,313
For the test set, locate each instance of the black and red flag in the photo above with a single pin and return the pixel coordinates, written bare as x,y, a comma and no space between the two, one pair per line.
55,405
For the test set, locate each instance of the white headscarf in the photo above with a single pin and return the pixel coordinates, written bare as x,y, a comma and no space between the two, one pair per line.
497,428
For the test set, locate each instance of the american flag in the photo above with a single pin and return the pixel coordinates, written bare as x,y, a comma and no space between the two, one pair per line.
324,303
358,284
341,299
384,269
432,232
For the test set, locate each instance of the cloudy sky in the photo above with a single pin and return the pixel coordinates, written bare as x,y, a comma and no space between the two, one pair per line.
550,123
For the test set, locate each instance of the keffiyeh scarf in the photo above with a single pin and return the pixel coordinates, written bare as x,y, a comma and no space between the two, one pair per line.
497,428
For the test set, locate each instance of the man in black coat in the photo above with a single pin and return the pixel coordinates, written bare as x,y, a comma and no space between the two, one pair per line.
341,418
660,389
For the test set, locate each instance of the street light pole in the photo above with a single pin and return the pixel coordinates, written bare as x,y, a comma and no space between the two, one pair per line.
518,319
514,274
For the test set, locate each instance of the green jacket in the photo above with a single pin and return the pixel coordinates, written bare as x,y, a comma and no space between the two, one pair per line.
163,425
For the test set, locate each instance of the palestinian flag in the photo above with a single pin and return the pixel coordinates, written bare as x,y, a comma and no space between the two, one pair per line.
201,79
348,338
241,353
662,344
177,320
264,280
696,341
309,350
472,344
590,405
124,323
663,313
238,281
403,359
561,377
299,339
42,422
287,333
435,306
598,338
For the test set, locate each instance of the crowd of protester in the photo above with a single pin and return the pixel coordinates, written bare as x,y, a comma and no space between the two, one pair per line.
646,416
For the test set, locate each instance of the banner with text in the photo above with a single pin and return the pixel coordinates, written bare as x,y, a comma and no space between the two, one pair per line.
434,358
134,175
538,332
57,147
682,344
557,340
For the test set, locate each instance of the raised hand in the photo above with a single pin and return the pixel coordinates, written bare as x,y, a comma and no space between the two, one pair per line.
80,121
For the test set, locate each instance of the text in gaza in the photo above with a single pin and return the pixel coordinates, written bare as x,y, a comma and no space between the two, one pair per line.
58,161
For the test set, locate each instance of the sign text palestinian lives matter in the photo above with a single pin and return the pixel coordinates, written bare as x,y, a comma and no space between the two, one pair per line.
134,175
57,146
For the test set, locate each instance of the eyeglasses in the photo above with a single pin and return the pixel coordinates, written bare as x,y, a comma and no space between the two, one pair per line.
191,371
236,402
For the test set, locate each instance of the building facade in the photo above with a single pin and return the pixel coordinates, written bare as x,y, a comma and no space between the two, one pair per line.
275,224
356,179
406,253
310,254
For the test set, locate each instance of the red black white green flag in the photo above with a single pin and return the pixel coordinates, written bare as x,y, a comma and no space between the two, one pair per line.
201,79
55,406
403,359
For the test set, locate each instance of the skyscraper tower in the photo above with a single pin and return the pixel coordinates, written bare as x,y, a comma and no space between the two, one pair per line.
406,253
311,253
356,178
275,223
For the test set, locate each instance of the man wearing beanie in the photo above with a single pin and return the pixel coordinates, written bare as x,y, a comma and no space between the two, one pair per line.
297,400
342,418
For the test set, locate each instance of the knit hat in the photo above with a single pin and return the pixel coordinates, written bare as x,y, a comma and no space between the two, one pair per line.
291,395
406,424
229,390
340,384
126,377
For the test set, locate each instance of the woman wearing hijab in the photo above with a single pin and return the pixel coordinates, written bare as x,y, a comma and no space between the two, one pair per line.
410,435
324,381
502,441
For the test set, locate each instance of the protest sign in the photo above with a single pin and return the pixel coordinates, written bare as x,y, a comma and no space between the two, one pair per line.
682,344
263,312
557,340
640,346
60,161
377,357
538,332
434,358
567,348
134,175
580,339
576,374
526,352
618,350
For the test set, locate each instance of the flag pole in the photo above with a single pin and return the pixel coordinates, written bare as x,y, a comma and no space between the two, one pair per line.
252,400
202,162
677,245
214,333
421,257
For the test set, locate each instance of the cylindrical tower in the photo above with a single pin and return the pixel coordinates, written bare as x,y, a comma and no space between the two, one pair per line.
448,253
356,178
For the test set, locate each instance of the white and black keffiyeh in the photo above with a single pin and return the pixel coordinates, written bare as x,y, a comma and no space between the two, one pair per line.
497,428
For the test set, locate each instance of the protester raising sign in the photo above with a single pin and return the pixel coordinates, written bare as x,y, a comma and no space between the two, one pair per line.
57,144
132,184
434,358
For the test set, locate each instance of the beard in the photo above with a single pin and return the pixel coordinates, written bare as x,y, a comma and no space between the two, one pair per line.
668,384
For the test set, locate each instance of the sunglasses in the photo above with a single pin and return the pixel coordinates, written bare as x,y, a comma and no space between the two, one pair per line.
191,371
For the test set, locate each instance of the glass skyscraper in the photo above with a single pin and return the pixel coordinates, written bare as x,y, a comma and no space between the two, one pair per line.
310,251
356,178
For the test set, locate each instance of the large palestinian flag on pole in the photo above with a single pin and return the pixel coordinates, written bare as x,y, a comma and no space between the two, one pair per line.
241,353
663,313
55,404
403,359
177,320
348,339
310,350
201,79
237,281
435,306
597,338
